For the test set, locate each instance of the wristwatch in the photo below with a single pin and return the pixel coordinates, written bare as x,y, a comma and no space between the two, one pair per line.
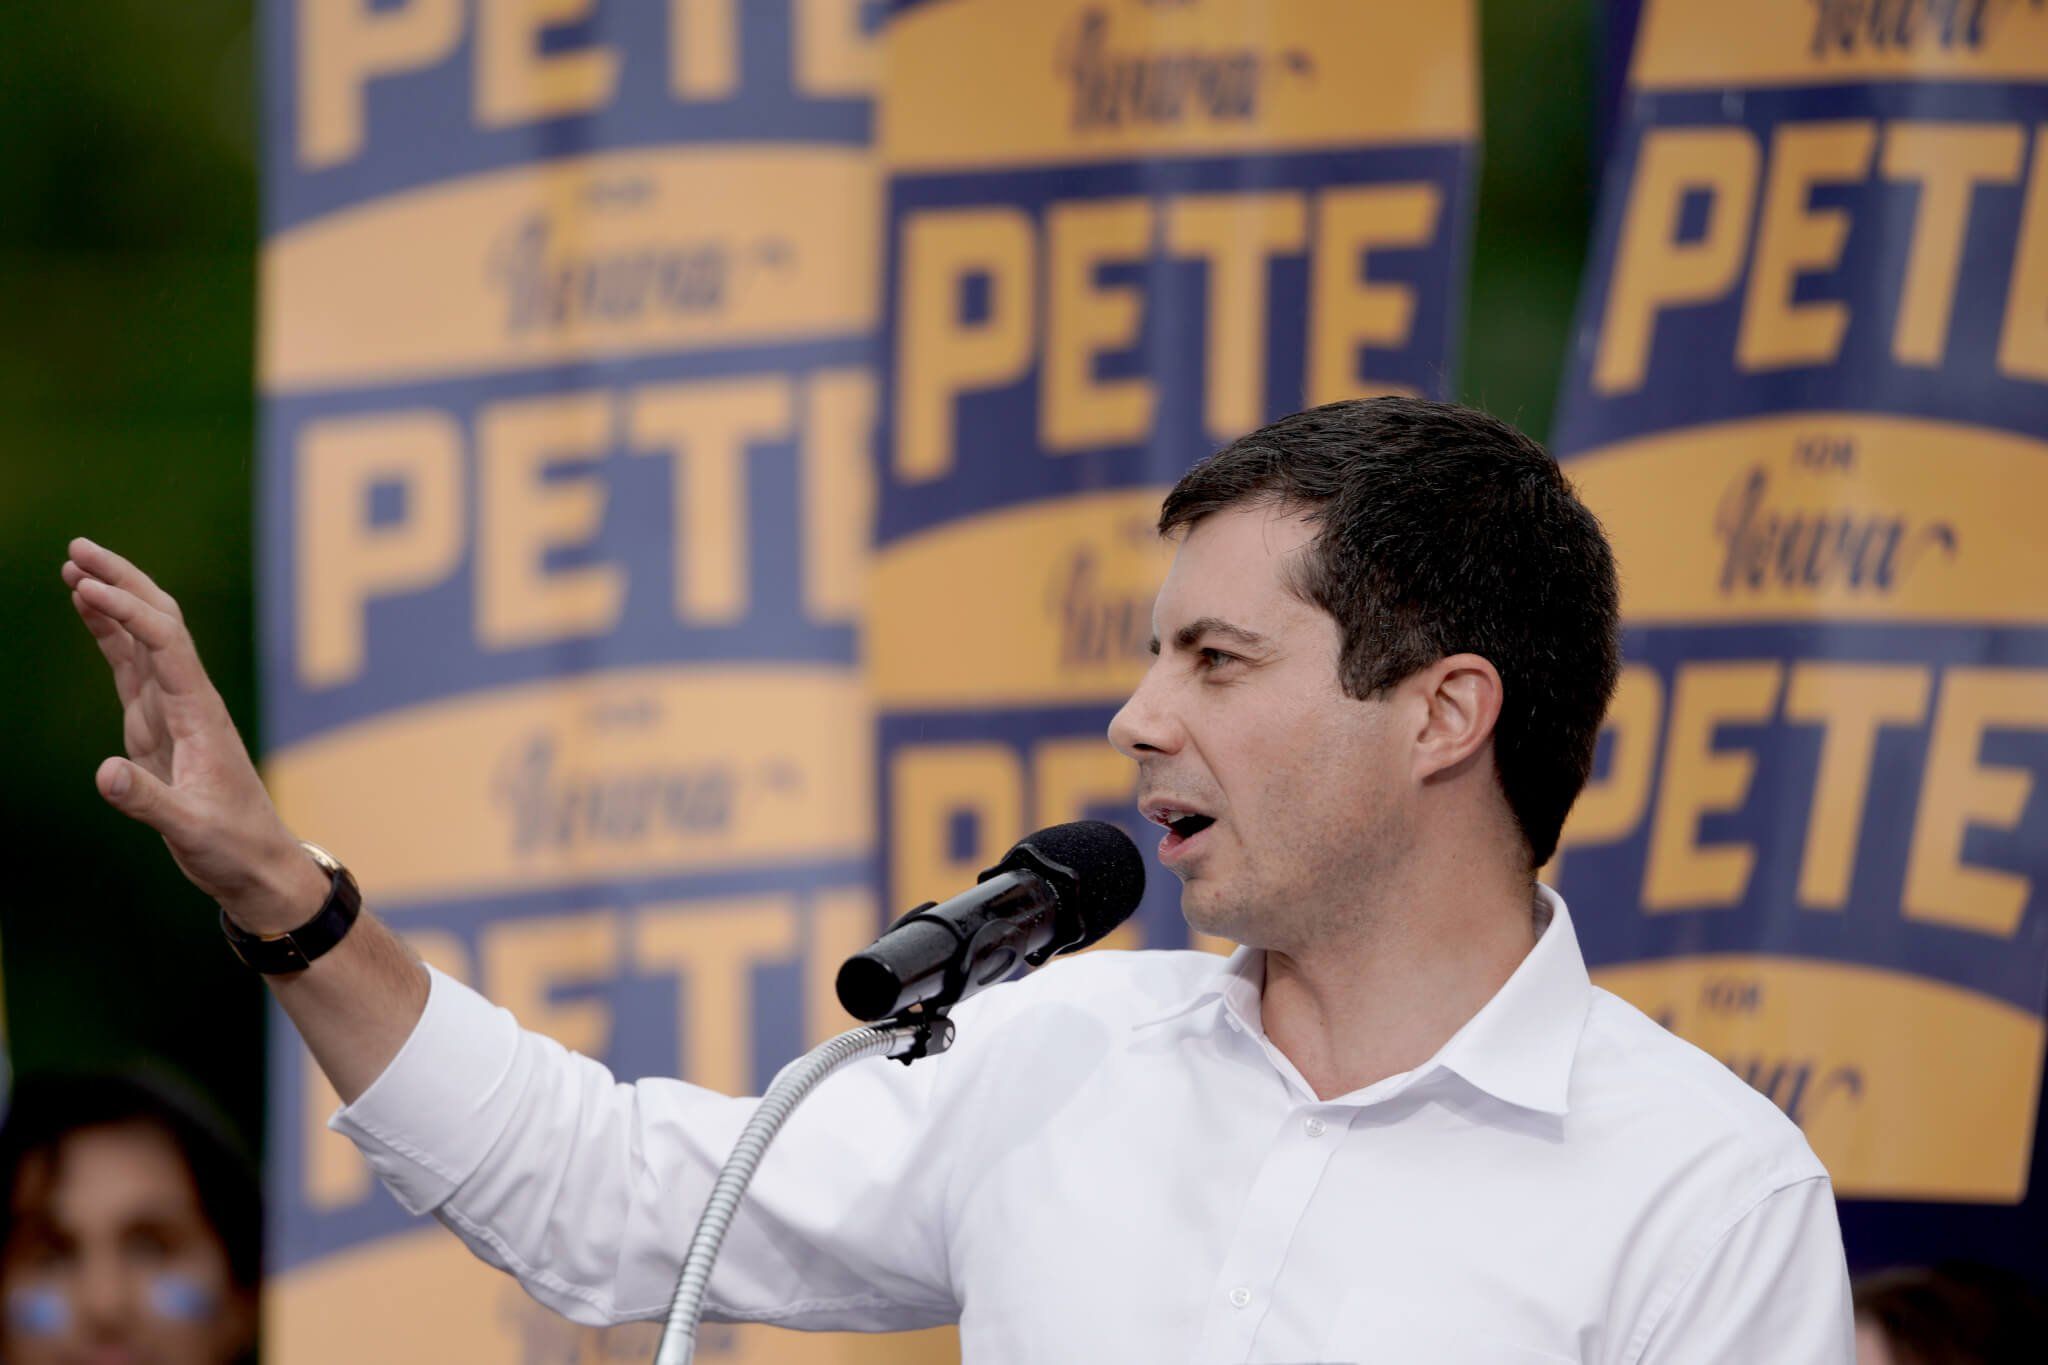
274,954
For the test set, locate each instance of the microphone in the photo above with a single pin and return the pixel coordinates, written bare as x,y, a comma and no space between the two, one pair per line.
1056,891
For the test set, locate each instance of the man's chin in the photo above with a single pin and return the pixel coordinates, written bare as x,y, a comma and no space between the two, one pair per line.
1207,912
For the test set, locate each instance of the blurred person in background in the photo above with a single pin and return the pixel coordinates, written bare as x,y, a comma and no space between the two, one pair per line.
1954,1314
133,1228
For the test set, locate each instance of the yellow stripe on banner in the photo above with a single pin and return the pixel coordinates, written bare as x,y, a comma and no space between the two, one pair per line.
984,83
1907,1088
1038,605
1824,516
436,1303
1711,44
632,772
573,260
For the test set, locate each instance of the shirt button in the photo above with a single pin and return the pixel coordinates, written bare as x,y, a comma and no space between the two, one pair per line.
1316,1127
1240,1297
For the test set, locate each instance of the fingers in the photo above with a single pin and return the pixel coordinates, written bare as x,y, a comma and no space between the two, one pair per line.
106,583
135,792
115,645
104,628
150,625
101,563
171,658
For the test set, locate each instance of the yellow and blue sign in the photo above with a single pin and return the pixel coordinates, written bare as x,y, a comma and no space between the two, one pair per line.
580,322
1119,233
567,361
1809,399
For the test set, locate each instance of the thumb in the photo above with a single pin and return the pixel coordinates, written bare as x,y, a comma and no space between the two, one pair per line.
138,794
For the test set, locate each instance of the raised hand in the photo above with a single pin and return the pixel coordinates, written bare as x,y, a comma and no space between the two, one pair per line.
187,774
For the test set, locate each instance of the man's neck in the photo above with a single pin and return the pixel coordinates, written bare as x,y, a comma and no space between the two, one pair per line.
1372,1004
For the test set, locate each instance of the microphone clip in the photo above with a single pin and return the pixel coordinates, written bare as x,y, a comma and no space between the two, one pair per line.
991,940
1067,929
930,1032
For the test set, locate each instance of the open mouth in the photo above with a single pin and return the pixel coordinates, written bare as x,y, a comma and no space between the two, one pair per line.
1182,829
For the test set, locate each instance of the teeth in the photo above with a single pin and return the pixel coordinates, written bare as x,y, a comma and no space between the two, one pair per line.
1173,818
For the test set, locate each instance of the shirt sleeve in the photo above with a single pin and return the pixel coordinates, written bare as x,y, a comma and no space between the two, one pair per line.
588,1190
1775,1287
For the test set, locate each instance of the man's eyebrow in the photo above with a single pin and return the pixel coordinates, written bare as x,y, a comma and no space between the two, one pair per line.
1203,626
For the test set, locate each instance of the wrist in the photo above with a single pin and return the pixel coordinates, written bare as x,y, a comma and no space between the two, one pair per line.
289,891
289,951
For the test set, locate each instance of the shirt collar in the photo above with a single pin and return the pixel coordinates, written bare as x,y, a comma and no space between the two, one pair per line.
1519,1046
1237,981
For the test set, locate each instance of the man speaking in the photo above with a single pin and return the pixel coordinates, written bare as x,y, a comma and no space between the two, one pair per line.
1400,1124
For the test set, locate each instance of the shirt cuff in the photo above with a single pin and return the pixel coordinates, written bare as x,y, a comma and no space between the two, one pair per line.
429,1119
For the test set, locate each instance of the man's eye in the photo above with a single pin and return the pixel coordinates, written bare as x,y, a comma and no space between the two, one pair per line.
1215,658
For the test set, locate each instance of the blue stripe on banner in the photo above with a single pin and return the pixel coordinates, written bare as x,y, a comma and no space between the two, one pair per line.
1002,458
1692,339
344,126
421,643
1771,818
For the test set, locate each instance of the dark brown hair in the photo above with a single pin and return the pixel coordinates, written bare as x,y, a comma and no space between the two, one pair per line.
1444,531
44,1111
1960,1313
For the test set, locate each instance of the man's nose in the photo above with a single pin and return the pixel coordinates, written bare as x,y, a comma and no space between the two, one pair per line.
1144,724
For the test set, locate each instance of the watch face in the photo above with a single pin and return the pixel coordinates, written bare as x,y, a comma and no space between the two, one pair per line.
328,862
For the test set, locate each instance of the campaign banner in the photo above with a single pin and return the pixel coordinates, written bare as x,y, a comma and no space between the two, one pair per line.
567,373
1809,399
1118,234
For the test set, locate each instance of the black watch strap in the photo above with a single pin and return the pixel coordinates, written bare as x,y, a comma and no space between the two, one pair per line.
273,954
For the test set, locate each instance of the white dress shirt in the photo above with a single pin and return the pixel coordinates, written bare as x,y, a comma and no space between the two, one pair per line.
1114,1163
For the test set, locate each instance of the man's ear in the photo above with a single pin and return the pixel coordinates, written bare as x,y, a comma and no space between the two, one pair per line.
1461,697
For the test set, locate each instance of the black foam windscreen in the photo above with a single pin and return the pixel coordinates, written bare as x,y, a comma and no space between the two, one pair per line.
1107,873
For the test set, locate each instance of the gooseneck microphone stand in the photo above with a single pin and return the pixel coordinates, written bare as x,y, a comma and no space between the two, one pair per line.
905,1038
1028,907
